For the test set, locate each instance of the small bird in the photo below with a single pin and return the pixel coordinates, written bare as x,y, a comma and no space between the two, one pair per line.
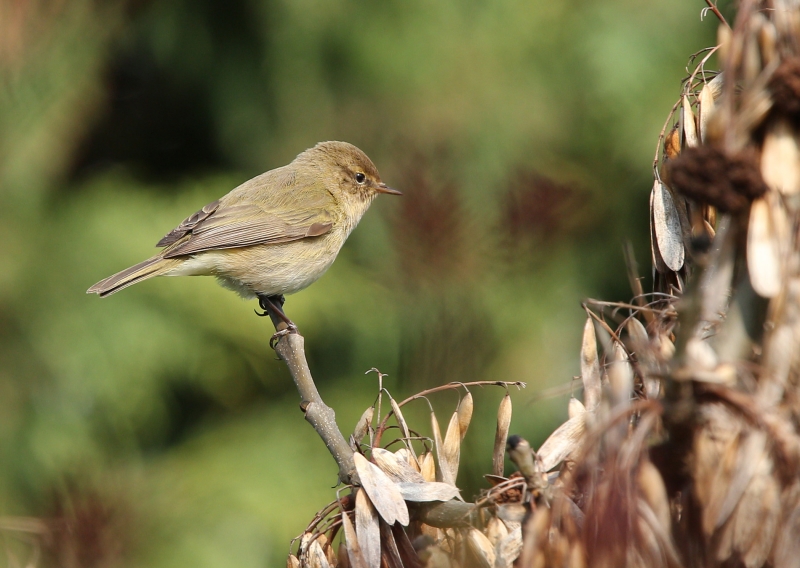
273,235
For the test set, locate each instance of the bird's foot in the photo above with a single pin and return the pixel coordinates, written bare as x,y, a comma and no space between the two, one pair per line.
290,328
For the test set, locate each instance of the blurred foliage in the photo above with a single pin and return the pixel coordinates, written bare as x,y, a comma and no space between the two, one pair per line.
156,427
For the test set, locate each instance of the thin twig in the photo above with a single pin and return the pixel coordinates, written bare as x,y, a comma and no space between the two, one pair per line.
717,13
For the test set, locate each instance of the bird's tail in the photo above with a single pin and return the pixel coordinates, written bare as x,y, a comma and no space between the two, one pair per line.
151,267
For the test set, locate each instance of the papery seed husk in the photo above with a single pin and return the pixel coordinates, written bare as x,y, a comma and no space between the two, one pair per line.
368,530
767,42
390,552
780,158
562,442
352,547
511,512
575,407
652,488
464,413
689,124
397,469
667,227
398,414
482,550
763,250
342,560
707,105
437,445
316,556
428,466
362,427
451,450
590,367
501,435
496,531
292,561
658,262
382,491
620,376
427,491
724,34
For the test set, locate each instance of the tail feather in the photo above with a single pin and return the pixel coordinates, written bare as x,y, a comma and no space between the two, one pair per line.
151,267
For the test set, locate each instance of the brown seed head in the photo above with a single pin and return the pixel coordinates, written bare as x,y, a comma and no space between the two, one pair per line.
708,175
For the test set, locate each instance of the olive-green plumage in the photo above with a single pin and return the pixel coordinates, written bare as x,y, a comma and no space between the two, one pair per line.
272,235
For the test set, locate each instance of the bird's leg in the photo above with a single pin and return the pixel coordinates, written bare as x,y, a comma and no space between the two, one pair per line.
273,306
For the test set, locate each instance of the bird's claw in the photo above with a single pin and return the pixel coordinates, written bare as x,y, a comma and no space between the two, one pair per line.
280,333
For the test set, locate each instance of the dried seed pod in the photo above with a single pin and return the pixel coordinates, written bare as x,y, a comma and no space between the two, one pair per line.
428,466
292,561
780,158
652,488
667,227
316,556
508,549
575,408
496,531
437,445
658,262
464,413
481,549
362,427
688,123
368,530
562,442
706,100
672,143
590,367
764,244
397,469
382,491
767,42
620,376
724,34
398,414
451,451
427,491
501,434
353,548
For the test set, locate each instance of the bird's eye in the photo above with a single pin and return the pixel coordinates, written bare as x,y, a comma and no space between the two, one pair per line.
360,178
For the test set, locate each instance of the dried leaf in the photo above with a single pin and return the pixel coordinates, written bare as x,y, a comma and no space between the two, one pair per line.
764,250
562,442
780,158
354,554
464,413
368,530
428,466
590,367
382,491
451,451
689,125
667,226
427,491
481,549
397,469
501,434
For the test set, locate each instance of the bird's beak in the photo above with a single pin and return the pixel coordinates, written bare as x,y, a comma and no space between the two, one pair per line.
383,188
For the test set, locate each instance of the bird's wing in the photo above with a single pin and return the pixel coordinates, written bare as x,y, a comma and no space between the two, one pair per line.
286,216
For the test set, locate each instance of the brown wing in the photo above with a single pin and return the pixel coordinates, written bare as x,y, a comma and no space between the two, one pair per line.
249,224
188,224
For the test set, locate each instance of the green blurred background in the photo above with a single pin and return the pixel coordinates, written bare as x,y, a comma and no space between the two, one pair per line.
156,428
